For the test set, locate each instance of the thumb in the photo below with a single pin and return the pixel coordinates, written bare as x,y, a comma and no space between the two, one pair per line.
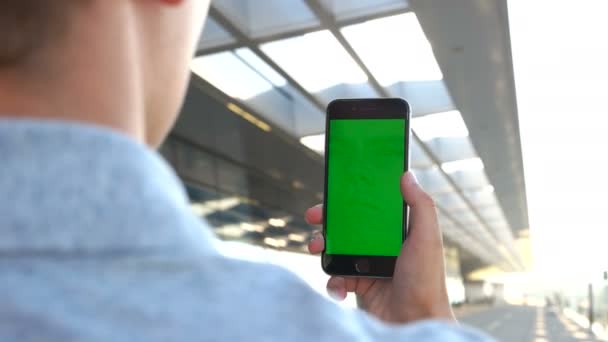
423,213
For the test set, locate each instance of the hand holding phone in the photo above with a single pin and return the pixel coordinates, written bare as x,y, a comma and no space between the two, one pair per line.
417,289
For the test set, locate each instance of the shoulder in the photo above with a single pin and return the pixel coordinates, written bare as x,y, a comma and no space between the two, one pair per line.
192,296
272,303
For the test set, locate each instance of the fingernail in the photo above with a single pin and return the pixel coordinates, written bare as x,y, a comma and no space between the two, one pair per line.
334,293
410,178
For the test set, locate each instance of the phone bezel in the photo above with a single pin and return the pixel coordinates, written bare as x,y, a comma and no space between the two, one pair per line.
379,108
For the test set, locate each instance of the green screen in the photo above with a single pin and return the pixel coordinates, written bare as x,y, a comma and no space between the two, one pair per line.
364,203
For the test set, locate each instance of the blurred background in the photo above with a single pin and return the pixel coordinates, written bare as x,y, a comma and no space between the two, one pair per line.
508,136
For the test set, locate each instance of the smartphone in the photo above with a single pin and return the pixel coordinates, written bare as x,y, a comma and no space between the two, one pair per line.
365,217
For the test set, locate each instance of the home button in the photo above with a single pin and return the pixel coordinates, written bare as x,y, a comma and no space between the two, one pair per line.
362,265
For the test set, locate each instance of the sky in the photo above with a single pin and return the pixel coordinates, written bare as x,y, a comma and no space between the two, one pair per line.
560,58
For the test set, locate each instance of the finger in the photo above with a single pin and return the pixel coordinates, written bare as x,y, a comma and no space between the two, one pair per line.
336,288
351,284
314,215
317,244
423,213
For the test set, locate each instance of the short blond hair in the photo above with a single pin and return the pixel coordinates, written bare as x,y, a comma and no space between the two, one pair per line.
27,26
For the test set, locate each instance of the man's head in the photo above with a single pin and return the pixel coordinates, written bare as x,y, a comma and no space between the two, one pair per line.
118,63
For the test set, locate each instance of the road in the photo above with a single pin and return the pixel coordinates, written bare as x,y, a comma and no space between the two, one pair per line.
525,324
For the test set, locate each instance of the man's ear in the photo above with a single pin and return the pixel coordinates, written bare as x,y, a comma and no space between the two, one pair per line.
172,2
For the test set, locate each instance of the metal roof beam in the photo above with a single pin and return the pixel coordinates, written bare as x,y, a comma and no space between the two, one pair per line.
301,31
241,37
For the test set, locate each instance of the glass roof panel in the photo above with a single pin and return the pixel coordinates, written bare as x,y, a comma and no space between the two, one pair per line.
453,148
493,213
260,66
418,158
341,9
440,125
470,179
411,59
466,218
314,142
432,180
231,75
450,201
482,197
214,35
315,60
471,164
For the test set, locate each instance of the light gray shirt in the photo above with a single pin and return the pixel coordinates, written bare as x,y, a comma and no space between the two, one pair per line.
97,243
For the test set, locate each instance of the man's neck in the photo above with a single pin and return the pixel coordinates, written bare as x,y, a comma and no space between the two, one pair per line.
90,77
69,105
